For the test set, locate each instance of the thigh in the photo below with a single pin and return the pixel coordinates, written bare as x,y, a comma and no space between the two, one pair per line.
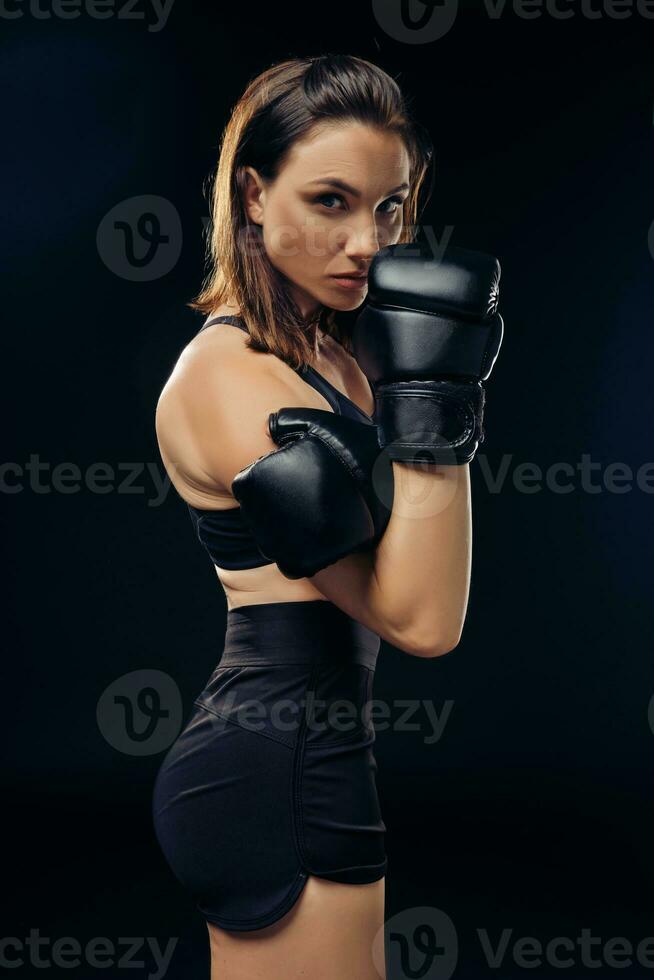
333,931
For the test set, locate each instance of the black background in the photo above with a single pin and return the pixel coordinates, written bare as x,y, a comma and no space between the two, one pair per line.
533,812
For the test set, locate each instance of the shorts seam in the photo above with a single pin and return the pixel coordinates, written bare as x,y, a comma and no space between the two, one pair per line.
327,742
361,729
297,772
244,728
351,867
277,912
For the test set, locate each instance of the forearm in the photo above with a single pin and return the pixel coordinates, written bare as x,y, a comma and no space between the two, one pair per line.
421,566
412,588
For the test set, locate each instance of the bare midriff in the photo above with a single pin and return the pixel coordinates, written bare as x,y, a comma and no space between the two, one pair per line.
248,586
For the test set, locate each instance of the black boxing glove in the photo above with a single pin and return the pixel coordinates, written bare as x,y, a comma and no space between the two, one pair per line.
426,339
325,493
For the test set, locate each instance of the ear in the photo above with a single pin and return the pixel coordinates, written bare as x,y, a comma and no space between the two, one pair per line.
252,192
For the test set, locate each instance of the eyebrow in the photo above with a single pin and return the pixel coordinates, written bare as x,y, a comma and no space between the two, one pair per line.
341,185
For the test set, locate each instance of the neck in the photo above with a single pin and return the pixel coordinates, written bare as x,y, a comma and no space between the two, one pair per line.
316,336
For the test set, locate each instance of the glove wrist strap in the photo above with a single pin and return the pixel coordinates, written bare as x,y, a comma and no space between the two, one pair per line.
437,421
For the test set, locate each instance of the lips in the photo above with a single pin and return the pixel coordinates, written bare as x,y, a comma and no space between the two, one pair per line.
353,283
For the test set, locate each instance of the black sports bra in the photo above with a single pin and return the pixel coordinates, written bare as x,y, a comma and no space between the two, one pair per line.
227,539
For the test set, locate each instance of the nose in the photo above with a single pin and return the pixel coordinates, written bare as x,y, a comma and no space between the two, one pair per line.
362,240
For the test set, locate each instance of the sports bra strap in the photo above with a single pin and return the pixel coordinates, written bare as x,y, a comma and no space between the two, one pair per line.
236,321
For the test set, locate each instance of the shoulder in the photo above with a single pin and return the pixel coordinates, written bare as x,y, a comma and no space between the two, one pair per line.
218,381
217,365
212,415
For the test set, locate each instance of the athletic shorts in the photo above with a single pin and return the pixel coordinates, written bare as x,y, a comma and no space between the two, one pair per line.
273,776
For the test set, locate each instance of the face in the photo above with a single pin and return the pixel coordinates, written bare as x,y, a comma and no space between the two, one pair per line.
336,201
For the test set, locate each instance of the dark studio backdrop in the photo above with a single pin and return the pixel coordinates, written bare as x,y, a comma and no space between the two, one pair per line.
530,812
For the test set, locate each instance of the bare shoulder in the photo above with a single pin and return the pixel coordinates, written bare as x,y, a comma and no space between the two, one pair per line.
218,368
212,414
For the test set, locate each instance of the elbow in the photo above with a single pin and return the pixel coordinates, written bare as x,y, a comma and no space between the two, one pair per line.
427,644
431,651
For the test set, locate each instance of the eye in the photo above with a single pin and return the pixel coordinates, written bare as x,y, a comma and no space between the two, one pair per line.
326,197
398,201
394,200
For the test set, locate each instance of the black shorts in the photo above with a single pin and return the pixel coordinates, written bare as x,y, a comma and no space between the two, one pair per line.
273,776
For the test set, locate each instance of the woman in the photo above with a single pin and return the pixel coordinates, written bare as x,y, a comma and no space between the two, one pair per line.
271,823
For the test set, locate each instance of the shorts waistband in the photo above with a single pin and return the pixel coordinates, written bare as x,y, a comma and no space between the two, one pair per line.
299,632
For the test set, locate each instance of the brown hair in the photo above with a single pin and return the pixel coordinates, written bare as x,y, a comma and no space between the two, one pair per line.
279,107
